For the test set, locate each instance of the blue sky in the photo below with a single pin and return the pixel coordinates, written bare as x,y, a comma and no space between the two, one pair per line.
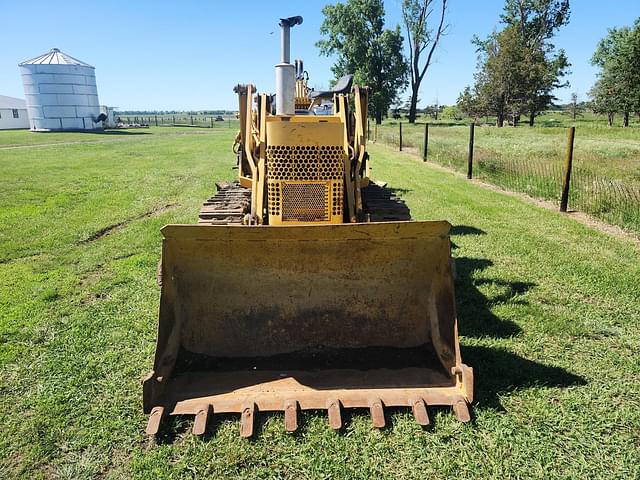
189,54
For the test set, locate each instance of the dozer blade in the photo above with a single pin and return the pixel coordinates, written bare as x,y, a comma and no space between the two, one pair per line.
260,318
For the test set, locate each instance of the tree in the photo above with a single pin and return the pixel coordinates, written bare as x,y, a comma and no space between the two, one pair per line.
618,86
518,68
469,104
354,32
602,100
420,37
452,112
501,77
574,106
537,21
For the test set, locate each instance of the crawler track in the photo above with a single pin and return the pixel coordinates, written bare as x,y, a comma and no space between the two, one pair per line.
232,202
228,206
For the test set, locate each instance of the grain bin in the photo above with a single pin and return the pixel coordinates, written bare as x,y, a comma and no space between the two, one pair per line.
61,93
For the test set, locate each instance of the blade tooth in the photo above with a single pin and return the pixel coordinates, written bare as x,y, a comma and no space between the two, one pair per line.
419,408
377,413
333,411
247,418
291,415
154,420
200,422
461,411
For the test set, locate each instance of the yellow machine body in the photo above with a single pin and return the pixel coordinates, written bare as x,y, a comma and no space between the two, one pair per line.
286,296
305,170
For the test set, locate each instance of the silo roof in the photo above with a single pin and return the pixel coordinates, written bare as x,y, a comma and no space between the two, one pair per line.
55,57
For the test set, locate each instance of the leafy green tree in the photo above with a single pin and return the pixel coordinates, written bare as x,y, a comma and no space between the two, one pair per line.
422,38
354,32
602,100
452,112
618,86
469,104
501,77
518,68
537,21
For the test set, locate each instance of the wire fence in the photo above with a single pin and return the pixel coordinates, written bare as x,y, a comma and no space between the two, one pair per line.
179,120
512,165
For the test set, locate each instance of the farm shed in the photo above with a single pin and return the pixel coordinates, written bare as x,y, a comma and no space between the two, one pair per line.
61,93
13,113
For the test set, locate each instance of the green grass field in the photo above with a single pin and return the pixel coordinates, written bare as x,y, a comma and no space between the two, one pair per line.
606,161
548,313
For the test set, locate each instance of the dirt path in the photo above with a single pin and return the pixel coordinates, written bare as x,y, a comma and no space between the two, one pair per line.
580,217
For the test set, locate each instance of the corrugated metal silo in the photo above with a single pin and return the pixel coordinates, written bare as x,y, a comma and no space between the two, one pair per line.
61,92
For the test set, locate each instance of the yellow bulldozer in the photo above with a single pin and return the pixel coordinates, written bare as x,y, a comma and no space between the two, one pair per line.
305,285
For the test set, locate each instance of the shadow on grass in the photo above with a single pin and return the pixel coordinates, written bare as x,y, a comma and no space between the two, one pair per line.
498,371
119,132
475,318
399,191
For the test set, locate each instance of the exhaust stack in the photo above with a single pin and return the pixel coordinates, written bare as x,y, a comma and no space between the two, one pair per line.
285,71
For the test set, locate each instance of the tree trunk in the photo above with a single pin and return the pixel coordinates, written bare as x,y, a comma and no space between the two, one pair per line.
532,119
500,120
610,118
413,106
625,121
378,117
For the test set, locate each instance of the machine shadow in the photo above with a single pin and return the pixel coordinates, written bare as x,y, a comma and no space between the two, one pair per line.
475,318
498,371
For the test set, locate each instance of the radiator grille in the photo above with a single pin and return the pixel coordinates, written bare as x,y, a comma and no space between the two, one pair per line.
285,162
305,183
305,202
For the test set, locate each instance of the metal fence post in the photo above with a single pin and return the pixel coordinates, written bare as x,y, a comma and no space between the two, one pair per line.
400,123
470,158
426,142
568,162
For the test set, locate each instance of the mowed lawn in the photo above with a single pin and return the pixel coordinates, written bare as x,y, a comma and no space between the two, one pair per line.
549,314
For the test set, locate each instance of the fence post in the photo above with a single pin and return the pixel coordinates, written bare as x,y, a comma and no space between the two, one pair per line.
426,142
156,120
470,158
174,119
368,129
400,123
191,119
564,200
375,131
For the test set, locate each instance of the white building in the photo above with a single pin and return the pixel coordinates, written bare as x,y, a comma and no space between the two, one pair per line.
61,93
13,113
